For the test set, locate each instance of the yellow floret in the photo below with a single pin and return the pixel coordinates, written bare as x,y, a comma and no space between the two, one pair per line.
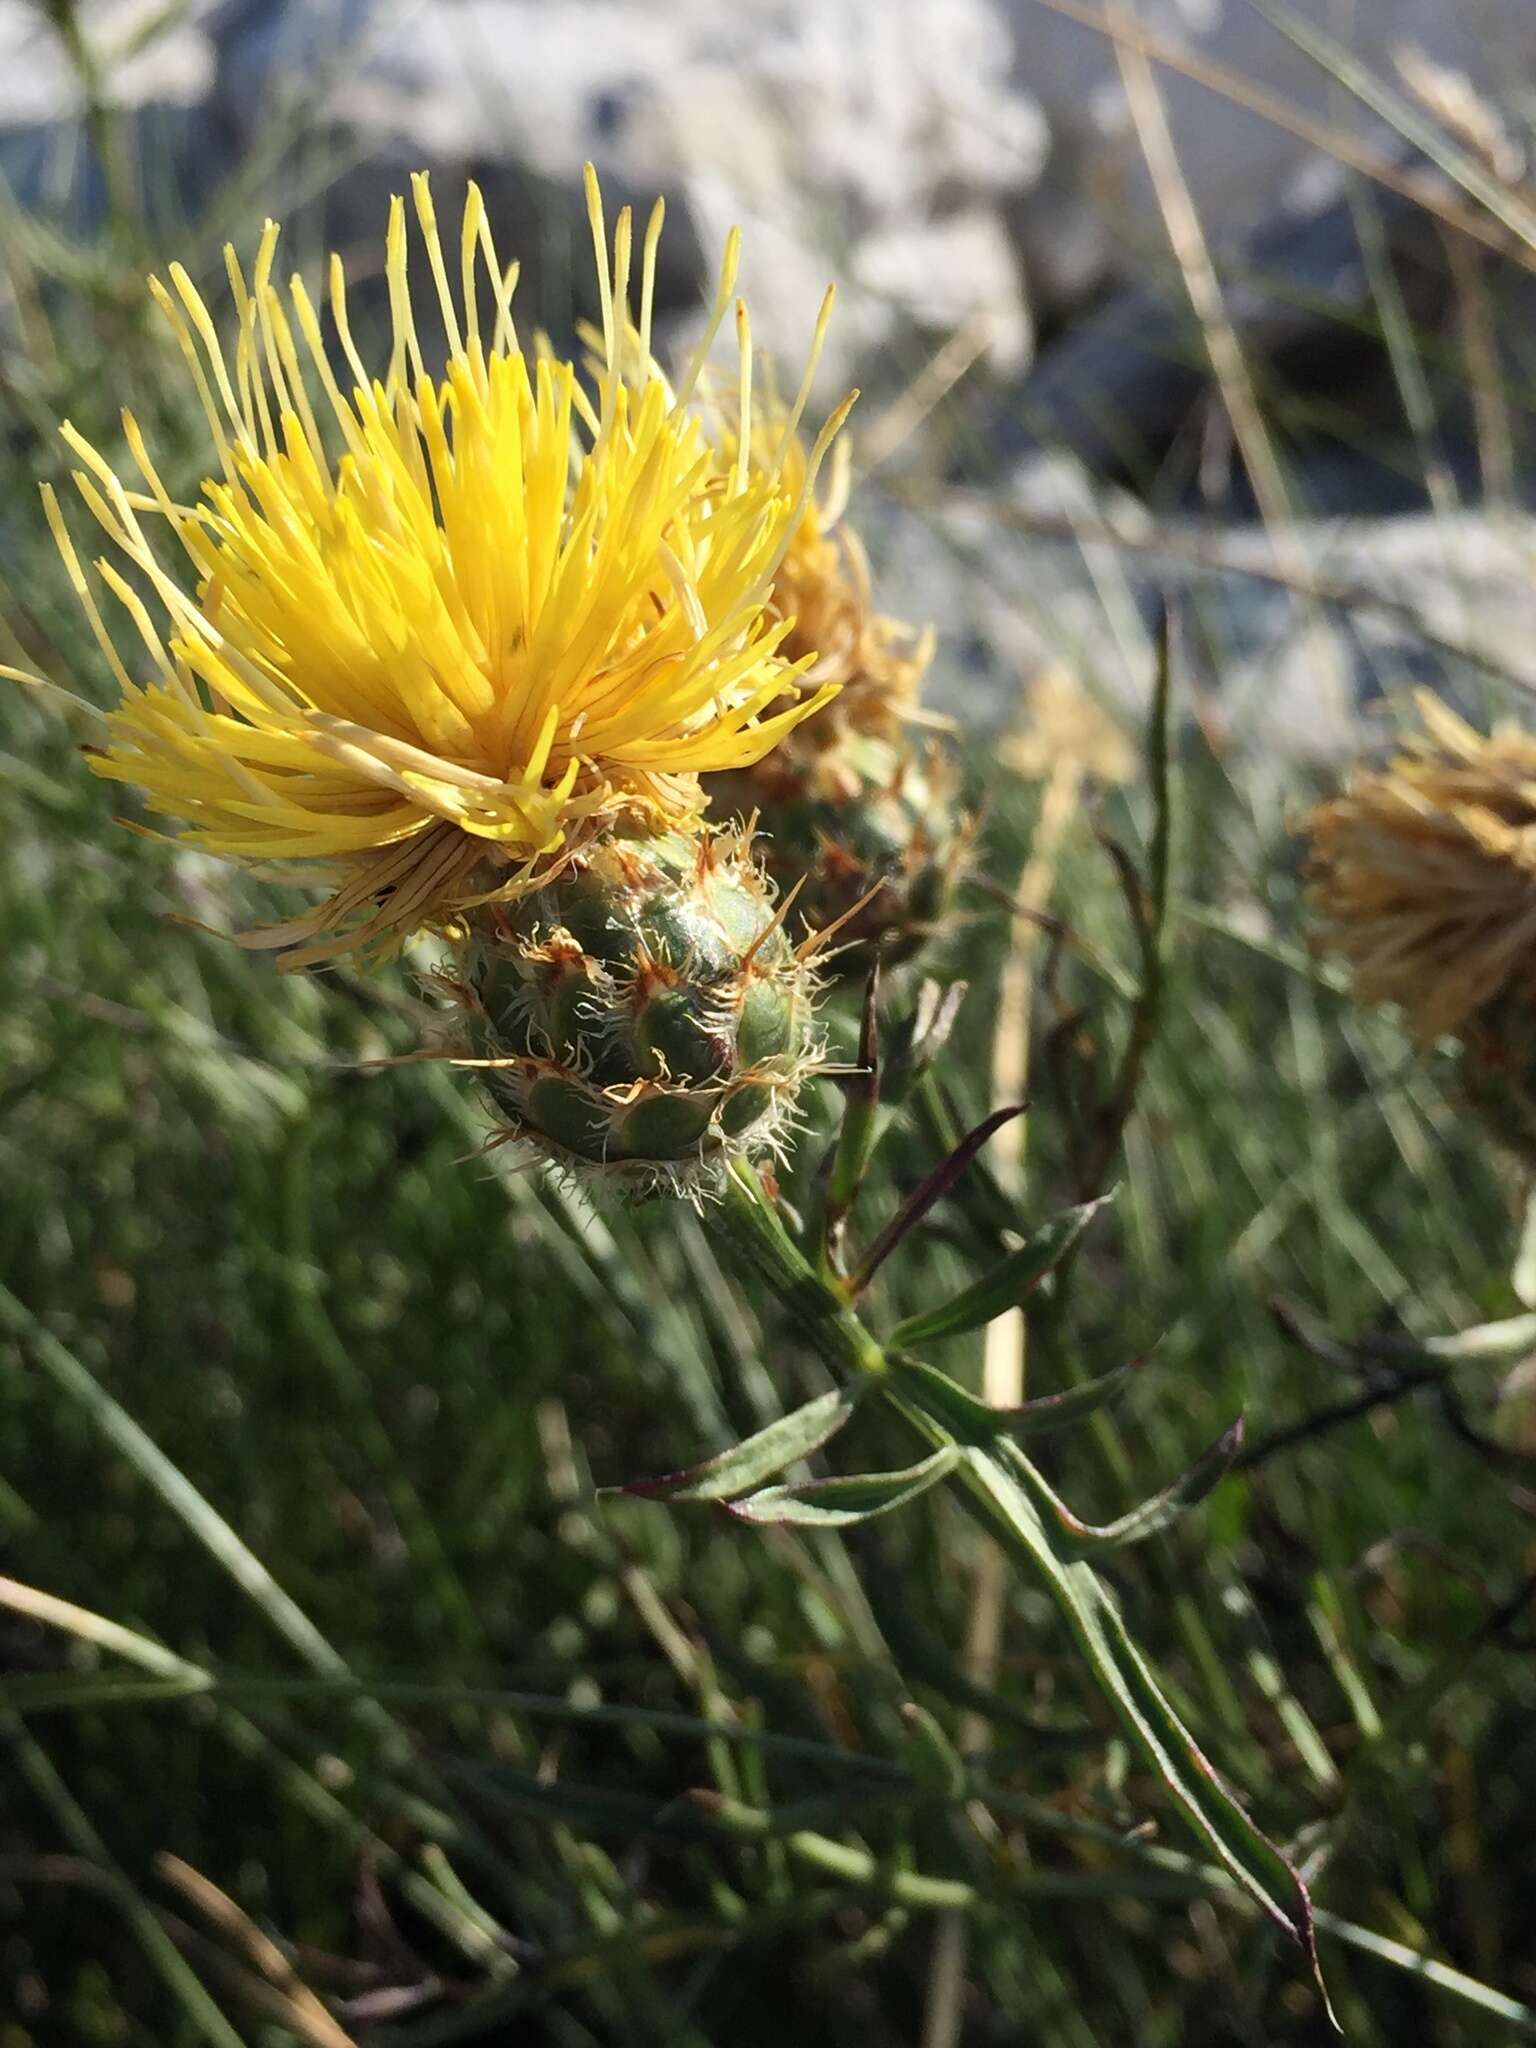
436,631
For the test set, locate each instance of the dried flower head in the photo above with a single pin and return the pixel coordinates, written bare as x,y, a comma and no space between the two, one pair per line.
438,631
1423,875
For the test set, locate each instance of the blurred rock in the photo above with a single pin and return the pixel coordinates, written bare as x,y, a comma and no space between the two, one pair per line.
1093,221
1062,573
941,274
871,140
1128,387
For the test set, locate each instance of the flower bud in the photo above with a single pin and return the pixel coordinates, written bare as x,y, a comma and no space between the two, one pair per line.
644,1015
873,827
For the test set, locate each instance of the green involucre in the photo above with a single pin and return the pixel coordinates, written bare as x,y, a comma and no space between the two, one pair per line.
864,817
648,1017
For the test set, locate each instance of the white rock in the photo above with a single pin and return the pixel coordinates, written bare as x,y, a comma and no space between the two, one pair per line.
173,61
945,272
872,142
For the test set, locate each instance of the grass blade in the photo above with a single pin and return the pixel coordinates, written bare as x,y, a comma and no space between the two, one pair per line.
172,1485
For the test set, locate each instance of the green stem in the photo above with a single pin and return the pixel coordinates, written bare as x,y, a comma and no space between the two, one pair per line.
826,1319
1002,1491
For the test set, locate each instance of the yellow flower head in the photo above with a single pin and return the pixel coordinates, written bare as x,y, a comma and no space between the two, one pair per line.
436,631
821,591
1423,876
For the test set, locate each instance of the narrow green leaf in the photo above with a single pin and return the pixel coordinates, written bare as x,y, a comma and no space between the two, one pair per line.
857,1133
1008,1282
756,1458
840,1503
993,1476
931,1189
1088,1539
1030,1418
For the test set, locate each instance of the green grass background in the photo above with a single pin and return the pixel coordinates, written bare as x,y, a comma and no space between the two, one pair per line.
396,1371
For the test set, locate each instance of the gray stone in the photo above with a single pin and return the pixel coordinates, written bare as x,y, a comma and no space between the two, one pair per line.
870,141
1059,572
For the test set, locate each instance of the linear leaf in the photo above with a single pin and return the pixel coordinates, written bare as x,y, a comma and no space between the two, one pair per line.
1087,1539
1008,1282
1029,1418
992,1475
930,1189
756,1458
840,1503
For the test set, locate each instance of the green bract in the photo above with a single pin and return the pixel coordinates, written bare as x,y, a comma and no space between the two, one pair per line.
647,1016
864,818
